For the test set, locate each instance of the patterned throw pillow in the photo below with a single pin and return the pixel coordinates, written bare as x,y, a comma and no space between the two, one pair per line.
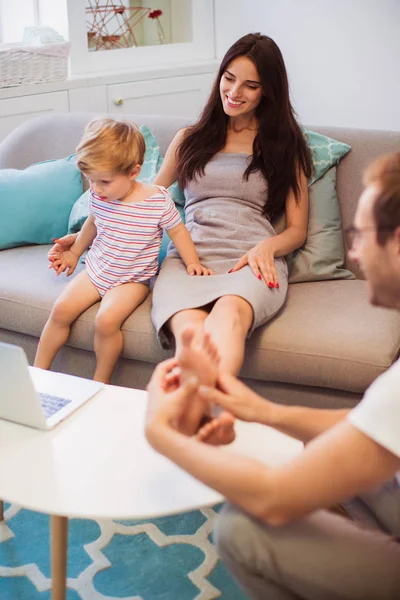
326,152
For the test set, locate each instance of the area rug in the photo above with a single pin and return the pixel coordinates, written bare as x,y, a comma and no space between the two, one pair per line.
171,558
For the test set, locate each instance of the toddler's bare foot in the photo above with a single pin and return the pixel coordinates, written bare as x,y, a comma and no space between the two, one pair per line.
218,431
198,357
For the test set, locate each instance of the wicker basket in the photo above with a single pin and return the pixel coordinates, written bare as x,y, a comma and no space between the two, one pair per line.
37,62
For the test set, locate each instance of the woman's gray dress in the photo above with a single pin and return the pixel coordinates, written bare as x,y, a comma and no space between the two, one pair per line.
225,219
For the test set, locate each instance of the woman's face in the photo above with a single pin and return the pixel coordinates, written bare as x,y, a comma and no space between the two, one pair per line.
240,88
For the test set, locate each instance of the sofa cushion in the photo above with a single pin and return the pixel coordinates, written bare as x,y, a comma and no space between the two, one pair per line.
322,337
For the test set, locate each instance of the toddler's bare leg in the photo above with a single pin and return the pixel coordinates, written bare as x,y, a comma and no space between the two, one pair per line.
73,301
116,306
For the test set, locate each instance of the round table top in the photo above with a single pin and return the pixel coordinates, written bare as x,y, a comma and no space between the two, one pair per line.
98,464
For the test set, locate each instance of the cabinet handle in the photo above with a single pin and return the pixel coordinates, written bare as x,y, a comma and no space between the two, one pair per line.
118,102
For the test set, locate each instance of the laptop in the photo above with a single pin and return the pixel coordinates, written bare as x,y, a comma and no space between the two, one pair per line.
36,397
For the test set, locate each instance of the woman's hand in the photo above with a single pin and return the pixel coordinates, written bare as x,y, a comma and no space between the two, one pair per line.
167,400
261,261
235,397
198,269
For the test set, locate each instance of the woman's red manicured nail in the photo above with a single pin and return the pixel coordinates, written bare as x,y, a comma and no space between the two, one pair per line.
270,284
230,271
277,285
259,277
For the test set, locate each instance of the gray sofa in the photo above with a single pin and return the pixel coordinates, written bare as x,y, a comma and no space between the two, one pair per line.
323,349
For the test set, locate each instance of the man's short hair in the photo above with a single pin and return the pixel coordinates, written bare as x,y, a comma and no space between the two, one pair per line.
385,173
110,145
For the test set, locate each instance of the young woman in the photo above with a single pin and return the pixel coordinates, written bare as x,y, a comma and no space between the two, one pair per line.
241,166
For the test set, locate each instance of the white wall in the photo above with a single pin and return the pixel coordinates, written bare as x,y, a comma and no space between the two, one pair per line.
342,57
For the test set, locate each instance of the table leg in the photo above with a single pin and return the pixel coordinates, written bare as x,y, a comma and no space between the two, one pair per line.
1,510
59,547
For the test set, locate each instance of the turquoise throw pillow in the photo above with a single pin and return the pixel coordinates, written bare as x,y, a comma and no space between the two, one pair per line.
326,152
35,203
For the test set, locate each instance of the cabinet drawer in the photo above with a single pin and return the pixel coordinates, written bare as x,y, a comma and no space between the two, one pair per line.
14,111
177,96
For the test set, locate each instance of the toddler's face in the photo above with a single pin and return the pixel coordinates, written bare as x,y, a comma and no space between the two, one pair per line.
110,186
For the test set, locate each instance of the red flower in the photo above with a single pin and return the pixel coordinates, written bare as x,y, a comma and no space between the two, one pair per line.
154,14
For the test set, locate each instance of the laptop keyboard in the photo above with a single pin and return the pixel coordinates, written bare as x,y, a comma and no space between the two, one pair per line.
52,404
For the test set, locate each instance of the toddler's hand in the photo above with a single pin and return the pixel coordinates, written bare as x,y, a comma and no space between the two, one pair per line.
66,261
198,269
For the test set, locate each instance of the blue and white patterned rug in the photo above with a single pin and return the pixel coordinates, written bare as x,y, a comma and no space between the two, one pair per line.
170,558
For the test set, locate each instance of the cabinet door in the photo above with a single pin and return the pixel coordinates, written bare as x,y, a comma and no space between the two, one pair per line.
14,111
177,96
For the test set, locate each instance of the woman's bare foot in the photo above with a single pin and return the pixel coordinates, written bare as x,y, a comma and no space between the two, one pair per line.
198,356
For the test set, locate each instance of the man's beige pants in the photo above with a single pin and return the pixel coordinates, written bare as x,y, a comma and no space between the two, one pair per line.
321,557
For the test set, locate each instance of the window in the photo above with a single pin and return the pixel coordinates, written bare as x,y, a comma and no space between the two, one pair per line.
15,15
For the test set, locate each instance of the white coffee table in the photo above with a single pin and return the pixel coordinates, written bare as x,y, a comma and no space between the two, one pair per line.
97,464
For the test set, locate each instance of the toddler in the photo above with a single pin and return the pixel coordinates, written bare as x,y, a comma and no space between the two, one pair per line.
124,232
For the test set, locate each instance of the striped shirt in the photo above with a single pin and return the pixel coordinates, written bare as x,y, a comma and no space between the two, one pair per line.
128,239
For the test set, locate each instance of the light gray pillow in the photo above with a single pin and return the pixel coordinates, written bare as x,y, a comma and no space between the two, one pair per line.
322,255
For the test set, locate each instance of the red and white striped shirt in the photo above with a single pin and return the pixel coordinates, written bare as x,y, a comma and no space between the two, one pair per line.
128,238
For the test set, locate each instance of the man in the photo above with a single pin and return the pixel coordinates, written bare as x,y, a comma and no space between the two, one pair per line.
277,537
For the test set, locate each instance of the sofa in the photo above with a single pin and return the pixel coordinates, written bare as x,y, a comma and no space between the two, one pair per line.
323,349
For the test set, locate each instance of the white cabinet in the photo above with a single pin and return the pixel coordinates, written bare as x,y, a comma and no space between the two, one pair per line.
14,111
178,91
91,99
179,96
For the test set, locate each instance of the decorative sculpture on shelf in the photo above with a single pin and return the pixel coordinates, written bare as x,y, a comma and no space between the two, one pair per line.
111,24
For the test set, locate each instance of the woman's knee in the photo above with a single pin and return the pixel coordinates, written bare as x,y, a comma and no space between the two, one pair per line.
186,318
234,309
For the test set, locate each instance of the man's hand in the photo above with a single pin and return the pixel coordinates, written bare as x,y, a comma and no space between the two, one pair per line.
235,397
167,400
198,269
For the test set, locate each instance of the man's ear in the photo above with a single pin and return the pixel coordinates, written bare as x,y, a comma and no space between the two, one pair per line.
135,172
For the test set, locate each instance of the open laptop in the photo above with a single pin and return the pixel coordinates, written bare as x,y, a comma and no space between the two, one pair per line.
35,397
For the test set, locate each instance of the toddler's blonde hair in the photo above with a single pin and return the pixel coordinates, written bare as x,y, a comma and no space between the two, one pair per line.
110,145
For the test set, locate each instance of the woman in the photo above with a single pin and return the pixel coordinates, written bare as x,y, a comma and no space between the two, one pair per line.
242,165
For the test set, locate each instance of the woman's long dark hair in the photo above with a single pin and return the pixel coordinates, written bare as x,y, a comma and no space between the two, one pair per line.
280,151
